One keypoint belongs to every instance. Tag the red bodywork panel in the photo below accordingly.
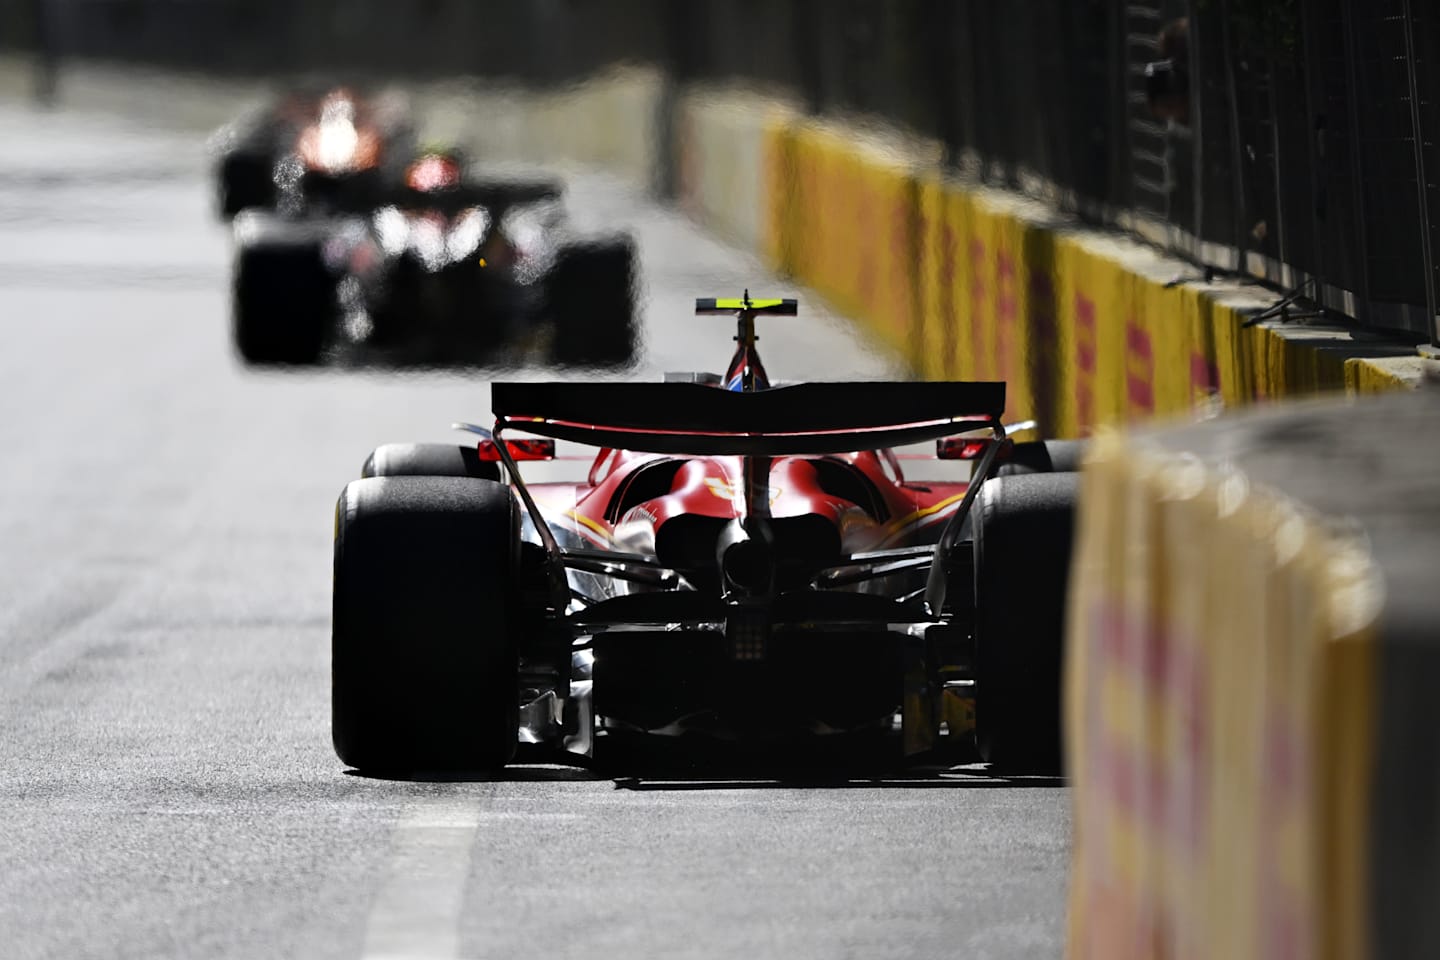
(629, 497)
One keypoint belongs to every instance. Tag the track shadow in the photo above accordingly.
(951, 778)
(645, 766)
(516, 773)
(863, 764)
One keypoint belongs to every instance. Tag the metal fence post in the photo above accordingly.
(1315, 153)
(1197, 122)
(1427, 253)
(1237, 149)
(1357, 174)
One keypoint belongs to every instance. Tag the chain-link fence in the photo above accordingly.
(1293, 140)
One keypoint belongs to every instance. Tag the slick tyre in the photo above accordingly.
(245, 180)
(284, 302)
(424, 661)
(1023, 539)
(590, 298)
(1044, 456)
(428, 460)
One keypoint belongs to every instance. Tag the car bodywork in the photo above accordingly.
(744, 560)
(317, 145)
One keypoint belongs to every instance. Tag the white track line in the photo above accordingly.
(416, 914)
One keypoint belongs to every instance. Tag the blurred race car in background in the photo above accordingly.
(741, 563)
(342, 245)
(316, 143)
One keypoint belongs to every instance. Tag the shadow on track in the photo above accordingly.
(643, 765)
(918, 779)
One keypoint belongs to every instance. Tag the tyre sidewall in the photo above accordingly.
(1023, 544)
(423, 646)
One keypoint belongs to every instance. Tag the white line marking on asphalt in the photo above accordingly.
(416, 915)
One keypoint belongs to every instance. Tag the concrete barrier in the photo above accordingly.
(609, 122)
(1378, 374)
(1254, 775)
(164, 99)
(1088, 327)
(844, 218)
(720, 145)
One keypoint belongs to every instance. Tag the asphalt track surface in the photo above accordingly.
(166, 778)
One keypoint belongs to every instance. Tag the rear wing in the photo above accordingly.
(728, 305)
(805, 418)
(496, 196)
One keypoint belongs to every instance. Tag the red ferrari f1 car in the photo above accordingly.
(741, 561)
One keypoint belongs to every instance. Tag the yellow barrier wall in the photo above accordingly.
(1218, 718)
(1087, 328)
(848, 226)
(609, 121)
(1222, 672)
(721, 142)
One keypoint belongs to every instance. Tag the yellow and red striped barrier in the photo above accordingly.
(1220, 717)
(1088, 328)
(844, 219)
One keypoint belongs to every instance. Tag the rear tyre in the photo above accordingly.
(590, 297)
(424, 661)
(1043, 456)
(1023, 539)
(284, 302)
(245, 180)
(428, 460)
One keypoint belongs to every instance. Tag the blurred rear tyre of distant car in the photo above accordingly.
(245, 180)
(428, 460)
(423, 656)
(590, 299)
(1024, 530)
(1044, 456)
(284, 302)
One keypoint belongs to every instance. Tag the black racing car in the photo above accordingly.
(341, 251)
(311, 144)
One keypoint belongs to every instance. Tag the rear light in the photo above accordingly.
(497, 251)
(959, 448)
(969, 448)
(527, 448)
